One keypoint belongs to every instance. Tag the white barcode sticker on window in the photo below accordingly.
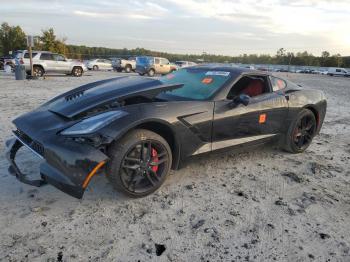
(217, 73)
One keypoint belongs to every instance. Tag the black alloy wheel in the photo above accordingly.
(139, 163)
(144, 166)
(304, 131)
(301, 132)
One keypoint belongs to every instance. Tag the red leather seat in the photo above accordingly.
(255, 88)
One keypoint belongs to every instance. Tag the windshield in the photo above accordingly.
(144, 60)
(198, 83)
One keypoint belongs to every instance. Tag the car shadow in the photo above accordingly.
(100, 190)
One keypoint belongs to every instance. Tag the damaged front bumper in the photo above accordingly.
(67, 165)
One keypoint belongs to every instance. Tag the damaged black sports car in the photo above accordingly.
(135, 129)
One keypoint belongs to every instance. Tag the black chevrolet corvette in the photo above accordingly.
(135, 129)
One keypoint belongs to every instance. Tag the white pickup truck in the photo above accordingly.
(128, 65)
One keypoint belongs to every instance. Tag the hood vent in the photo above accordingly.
(74, 96)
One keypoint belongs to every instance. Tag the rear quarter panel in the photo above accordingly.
(314, 100)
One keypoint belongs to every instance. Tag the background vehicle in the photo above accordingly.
(11, 59)
(99, 64)
(332, 71)
(183, 64)
(135, 129)
(47, 62)
(128, 65)
(153, 65)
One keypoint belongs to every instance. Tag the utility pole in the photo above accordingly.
(30, 44)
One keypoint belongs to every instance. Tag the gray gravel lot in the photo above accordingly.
(263, 205)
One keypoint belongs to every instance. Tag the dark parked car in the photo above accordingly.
(135, 129)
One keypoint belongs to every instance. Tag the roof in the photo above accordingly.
(226, 67)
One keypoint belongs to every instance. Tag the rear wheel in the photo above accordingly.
(140, 163)
(301, 132)
(128, 68)
(38, 71)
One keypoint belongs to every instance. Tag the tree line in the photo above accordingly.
(14, 38)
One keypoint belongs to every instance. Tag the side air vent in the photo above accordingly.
(74, 96)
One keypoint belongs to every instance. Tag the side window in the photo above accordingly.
(157, 61)
(26, 55)
(338, 70)
(252, 85)
(164, 61)
(277, 83)
(59, 57)
(46, 56)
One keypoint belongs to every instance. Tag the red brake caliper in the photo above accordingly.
(155, 159)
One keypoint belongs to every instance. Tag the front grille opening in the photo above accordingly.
(36, 146)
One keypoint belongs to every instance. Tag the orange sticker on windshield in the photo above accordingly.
(207, 80)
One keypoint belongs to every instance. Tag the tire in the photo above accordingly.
(119, 70)
(300, 134)
(77, 71)
(126, 168)
(95, 68)
(128, 68)
(141, 74)
(38, 71)
(151, 72)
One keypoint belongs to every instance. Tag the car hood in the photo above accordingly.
(90, 96)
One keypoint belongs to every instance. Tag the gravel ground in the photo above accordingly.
(263, 205)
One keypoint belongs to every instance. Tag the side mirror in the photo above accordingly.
(241, 99)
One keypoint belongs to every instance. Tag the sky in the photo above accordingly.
(226, 27)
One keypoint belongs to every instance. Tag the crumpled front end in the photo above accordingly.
(67, 165)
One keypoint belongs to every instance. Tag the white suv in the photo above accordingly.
(47, 62)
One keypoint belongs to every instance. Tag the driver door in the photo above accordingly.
(263, 118)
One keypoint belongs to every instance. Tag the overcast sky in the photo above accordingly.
(191, 26)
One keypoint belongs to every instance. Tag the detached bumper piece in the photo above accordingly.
(67, 165)
(13, 169)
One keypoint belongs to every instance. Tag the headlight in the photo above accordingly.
(91, 124)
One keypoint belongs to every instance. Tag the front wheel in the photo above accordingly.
(301, 132)
(77, 71)
(151, 72)
(139, 163)
(95, 68)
